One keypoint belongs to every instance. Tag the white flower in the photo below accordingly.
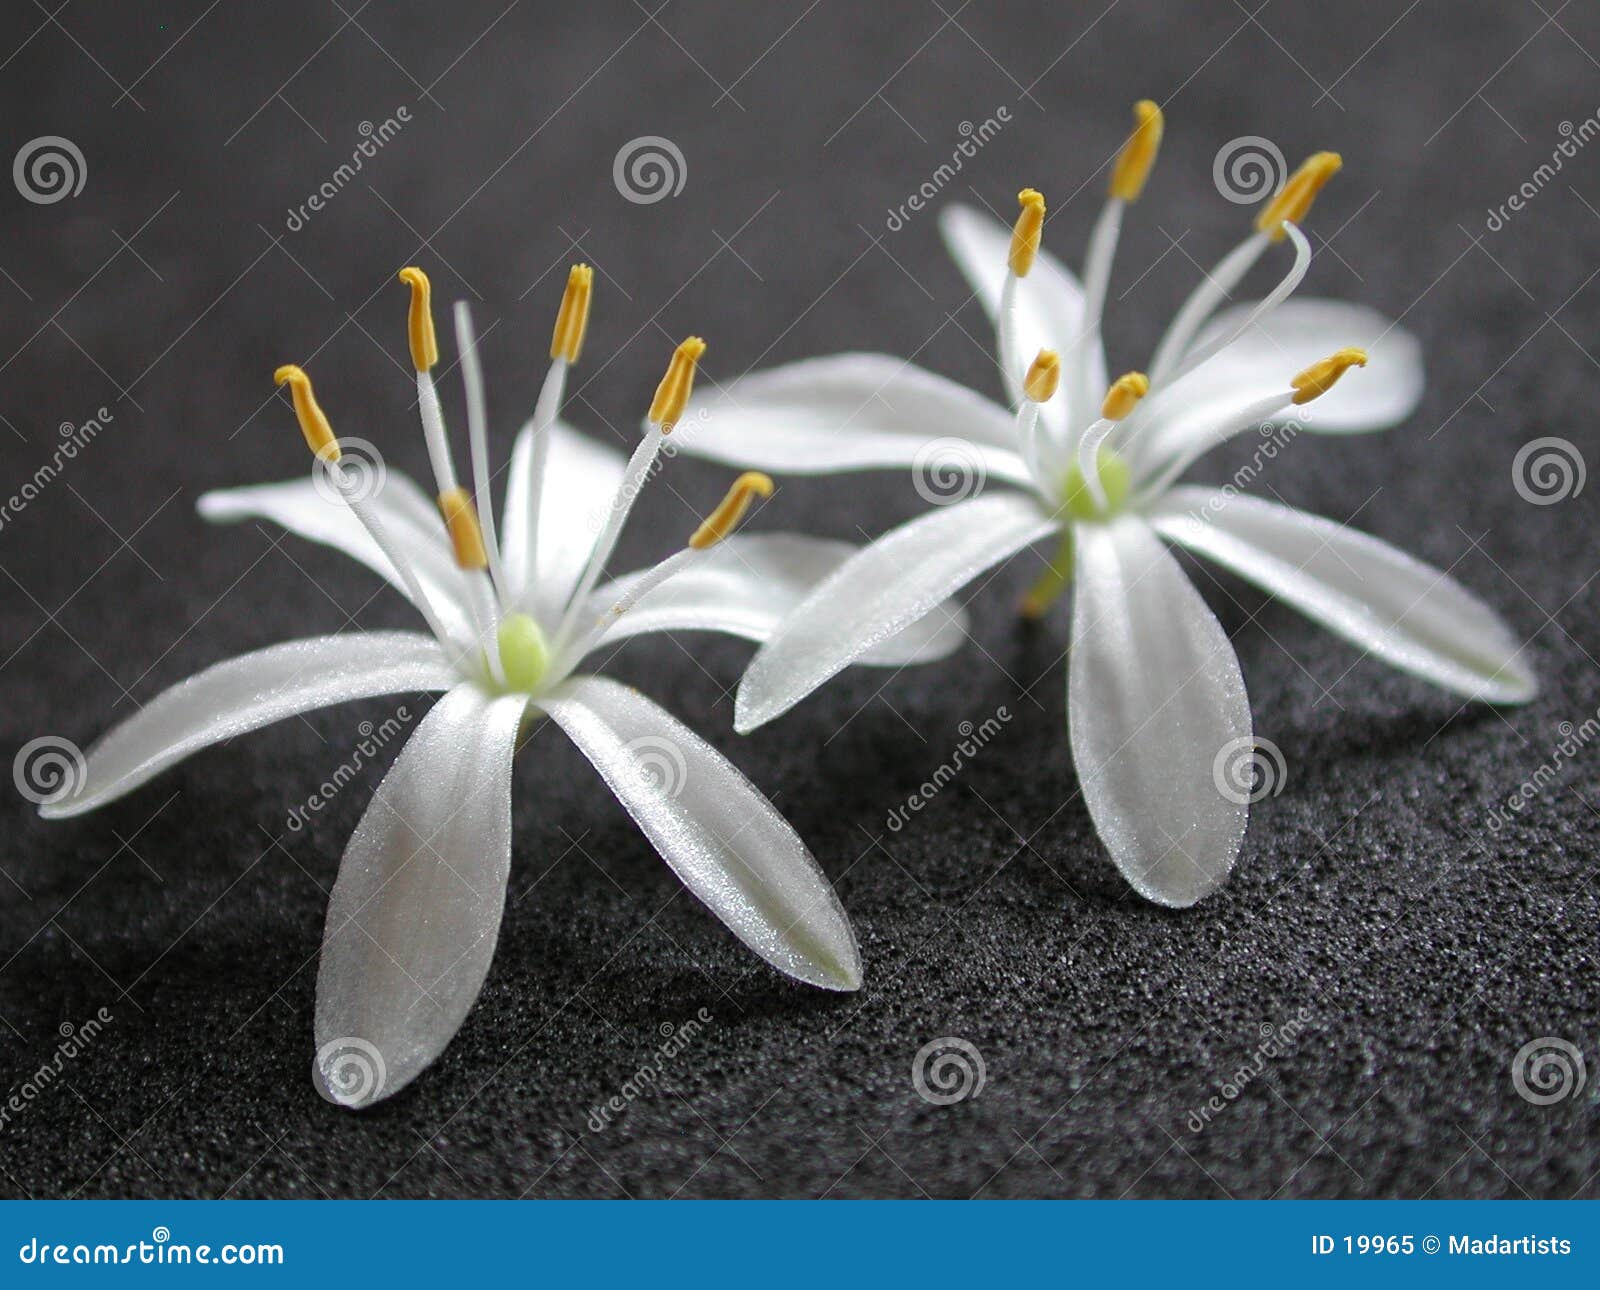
(417, 906)
(1154, 686)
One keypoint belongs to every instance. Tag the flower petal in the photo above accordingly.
(1154, 699)
(580, 484)
(1049, 301)
(745, 586)
(851, 412)
(881, 591)
(416, 910)
(1406, 612)
(247, 693)
(724, 839)
(1300, 332)
(402, 509)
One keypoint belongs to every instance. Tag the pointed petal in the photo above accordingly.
(1300, 332)
(1049, 300)
(747, 584)
(580, 483)
(415, 913)
(410, 518)
(879, 592)
(724, 839)
(249, 692)
(852, 412)
(1406, 612)
(1154, 697)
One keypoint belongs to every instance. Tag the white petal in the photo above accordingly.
(1049, 300)
(249, 692)
(1154, 698)
(1406, 612)
(580, 484)
(881, 591)
(721, 836)
(747, 584)
(851, 412)
(416, 910)
(1300, 332)
(402, 509)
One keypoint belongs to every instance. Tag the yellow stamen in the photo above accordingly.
(1138, 155)
(1044, 376)
(1293, 200)
(572, 322)
(1027, 231)
(672, 395)
(1124, 395)
(424, 344)
(731, 509)
(313, 421)
(1322, 376)
(461, 518)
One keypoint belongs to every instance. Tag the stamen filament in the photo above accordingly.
(424, 354)
(1258, 412)
(1120, 400)
(1216, 287)
(1097, 277)
(1039, 385)
(324, 447)
(478, 441)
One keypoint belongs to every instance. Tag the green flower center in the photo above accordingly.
(524, 652)
(1116, 478)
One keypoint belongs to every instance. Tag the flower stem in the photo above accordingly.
(1052, 582)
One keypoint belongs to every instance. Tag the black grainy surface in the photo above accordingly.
(1420, 948)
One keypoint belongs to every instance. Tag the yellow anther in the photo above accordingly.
(313, 421)
(1138, 154)
(672, 395)
(1322, 376)
(1044, 376)
(731, 509)
(1124, 395)
(1293, 200)
(1027, 231)
(424, 344)
(461, 518)
(573, 319)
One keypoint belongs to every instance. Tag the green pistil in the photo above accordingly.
(1078, 507)
(524, 653)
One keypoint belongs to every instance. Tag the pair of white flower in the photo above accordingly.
(1154, 692)
(417, 906)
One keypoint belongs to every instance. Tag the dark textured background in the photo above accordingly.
(1424, 949)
